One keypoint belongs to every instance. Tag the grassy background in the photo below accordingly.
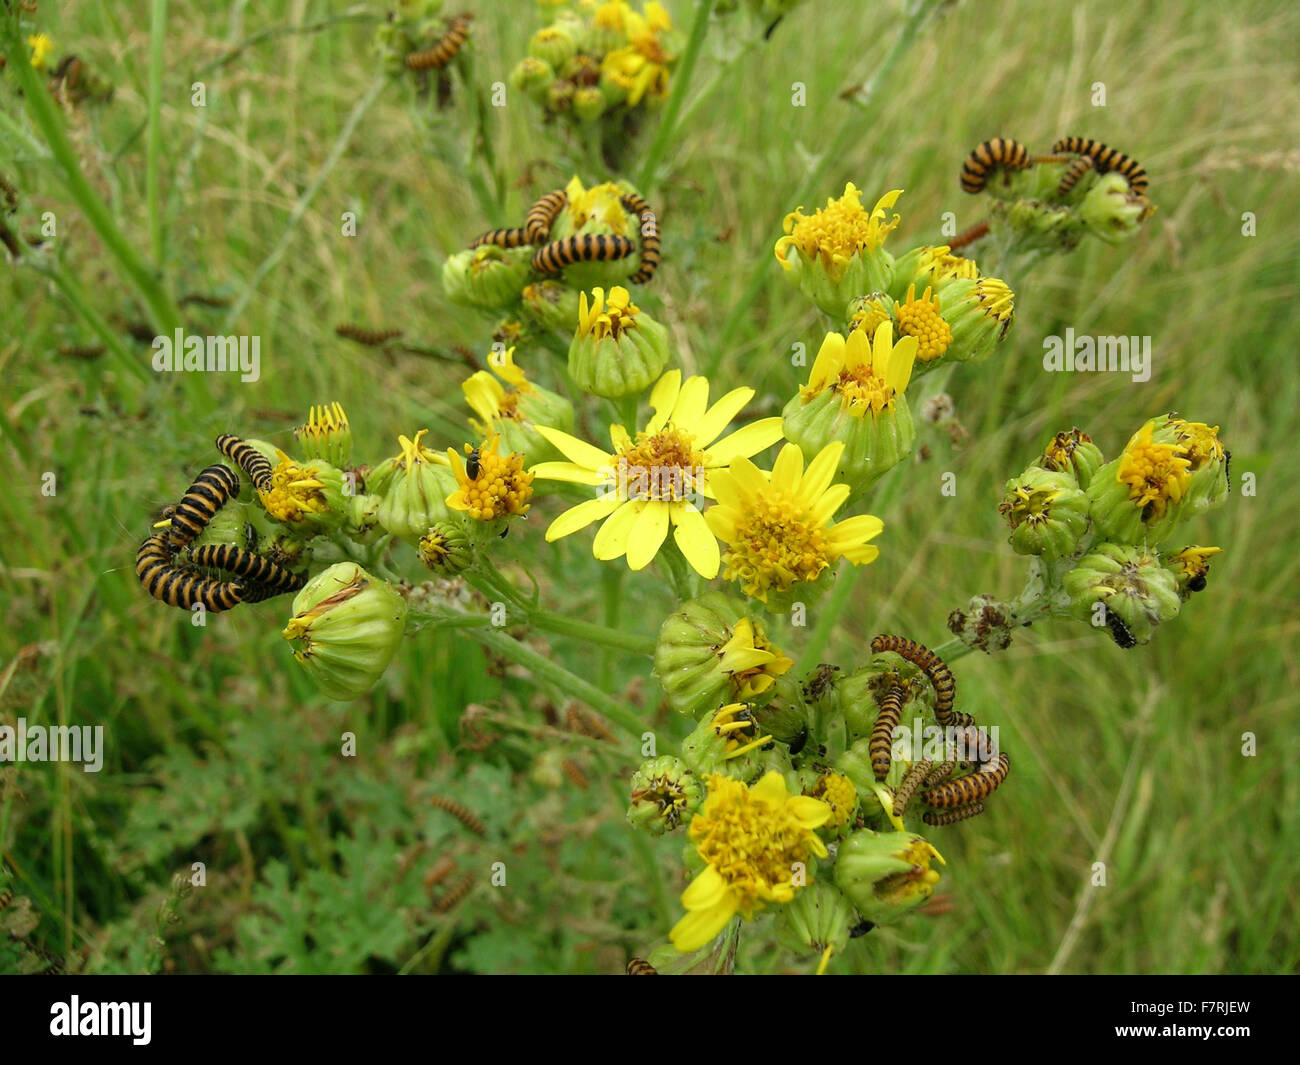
(219, 750)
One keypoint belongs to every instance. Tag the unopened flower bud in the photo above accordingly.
(1047, 512)
(837, 252)
(617, 350)
(487, 276)
(886, 874)
(446, 549)
(416, 490)
(345, 629)
(1136, 590)
(1072, 452)
(1111, 210)
(664, 793)
(817, 920)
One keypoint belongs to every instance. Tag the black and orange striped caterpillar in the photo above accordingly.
(212, 489)
(649, 238)
(968, 789)
(589, 247)
(444, 51)
(996, 154)
(371, 338)
(1079, 166)
(252, 568)
(881, 743)
(176, 585)
(912, 779)
(640, 967)
(454, 895)
(951, 817)
(248, 459)
(1107, 159)
(945, 687)
(461, 813)
(503, 238)
(542, 214)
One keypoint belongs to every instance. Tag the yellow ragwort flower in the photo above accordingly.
(1193, 562)
(996, 300)
(939, 262)
(751, 661)
(489, 398)
(1200, 441)
(41, 45)
(659, 478)
(500, 488)
(777, 526)
(834, 234)
(295, 491)
(1156, 474)
(867, 376)
(606, 316)
(750, 839)
(837, 792)
(736, 725)
(920, 318)
(601, 204)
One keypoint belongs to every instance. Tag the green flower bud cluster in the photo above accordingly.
(1096, 526)
(597, 68)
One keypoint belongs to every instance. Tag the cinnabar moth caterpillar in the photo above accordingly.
(999, 153)
(951, 817)
(371, 338)
(912, 780)
(1079, 166)
(248, 459)
(641, 967)
(1107, 159)
(542, 214)
(173, 584)
(250, 567)
(588, 248)
(502, 238)
(968, 789)
(444, 51)
(211, 490)
(882, 733)
(454, 895)
(463, 815)
(945, 688)
(649, 229)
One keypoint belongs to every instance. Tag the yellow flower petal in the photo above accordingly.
(710, 425)
(565, 471)
(746, 441)
(581, 516)
(579, 451)
(647, 536)
(611, 540)
(699, 927)
(694, 537)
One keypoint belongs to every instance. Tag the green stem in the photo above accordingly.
(354, 118)
(611, 588)
(153, 149)
(545, 671)
(494, 586)
(164, 314)
(603, 635)
(645, 855)
(681, 82)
